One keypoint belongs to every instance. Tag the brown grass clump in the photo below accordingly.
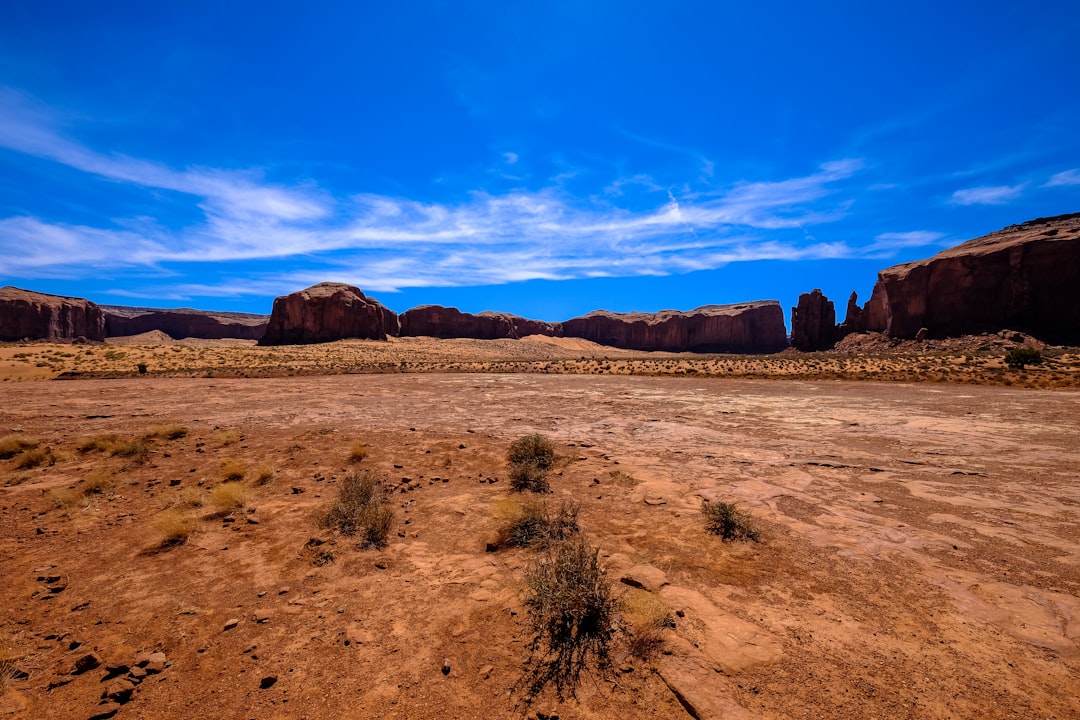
(134, 449)
(531, 459)
(190, 497)
(357, 452)
(571, 613)
(66, 498)
(232, 469)
(646, 617)
(361, 508)
(227, 437)
(9, 654)
(728, 521)
(166, 432)
(100, 443)
(97, 483)
(228, 496)
(12, 445)
(36, 457)
(528, 523)
(265, 473)
(176, 525)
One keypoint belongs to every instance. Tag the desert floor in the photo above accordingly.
(920, 553)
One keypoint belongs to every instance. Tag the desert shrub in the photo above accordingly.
(166, 432)
(646, 617)
(534, 523)
(536, 450)
(176, 525)
(529, 477)
(227, 437)
(66, 498)
(571, 614)
(101, 443)
(228, 496)
(357, 452)
(190, 497)
(36, 457)
(232, 469)
(98, 483)
(141, 367)
(12, 445)
(135, 449)
(265, 473)
(728, 521)
(1019, 357)
(361, 508)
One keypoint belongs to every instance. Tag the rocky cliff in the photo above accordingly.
(183, 323)
(755, 327)
(1025, 277)
(37, 316)
(443, 322)
(327, 312)
(813, 322)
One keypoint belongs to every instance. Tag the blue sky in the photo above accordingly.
(544, 158)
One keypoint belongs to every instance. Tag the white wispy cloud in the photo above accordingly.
(987, 195)
(1063, 179)
(891, 243)
(385, 243)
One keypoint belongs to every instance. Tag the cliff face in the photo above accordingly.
(443, 322)
(327, 312)
(756, 327)
(37, 316)
(813, 322)
(183, 323)
(1025, 277)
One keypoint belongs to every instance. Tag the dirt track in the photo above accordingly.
(921, 553)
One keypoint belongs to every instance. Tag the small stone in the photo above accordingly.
(136, 674)
(153, 668)
(86, 662)
(230, 624)
(104, 711)
(141, 659)
(446, 666)
(158, 657)
(118, 690)
(485, 672)
(283, 591)
(261, 616)
(267, 682)
(113, 669)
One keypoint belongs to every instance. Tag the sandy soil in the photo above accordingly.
(920, 554)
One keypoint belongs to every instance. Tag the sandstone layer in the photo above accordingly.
(37, 316)
(1024, 277)
(328, 312)
(447, 322)
(183, 323)
(754, 327)
(813, 322)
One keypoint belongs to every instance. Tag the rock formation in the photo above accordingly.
(183, 323)
(813, 322)
(443, 322)
(1025, 277)
(327, 312)
(37, 316)
(755, 327)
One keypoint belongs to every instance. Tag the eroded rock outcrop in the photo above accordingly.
(813, 322)
(328, 312)
(447, 322)
(754, 327)
(37, 316)
(1025, 277)
(183, 323)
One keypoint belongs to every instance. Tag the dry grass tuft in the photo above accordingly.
(227, 437)
(728, 521)
(176, 525)
(357, 452)
(66, 498)
(531, 459)
(97, 483)
(523, 524)
(36, 457)
(12, 445)
(228, 496)
(100, 443)
(265, 473)
(646, 617)
(134, 449)
(189, 497)
(361, 508)
(9, 654)
(166, 432)
(233, 469)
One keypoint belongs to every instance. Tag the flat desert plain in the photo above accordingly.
(919, 551)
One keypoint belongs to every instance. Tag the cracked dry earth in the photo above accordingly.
(920, 554)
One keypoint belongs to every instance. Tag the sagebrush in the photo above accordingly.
(536, 523)
(729, 521)
(531, 459)
(361, 508)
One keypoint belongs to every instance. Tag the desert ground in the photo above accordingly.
(919, 551)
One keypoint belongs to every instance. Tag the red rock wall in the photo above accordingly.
(443, 322)
(813, 322)
(179, 325)
(328, 312)
(37, 316)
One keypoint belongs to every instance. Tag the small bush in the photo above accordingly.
(357, 452)
(101, 443)
(361, 508)
(141, 368)
(166, 432)
(135, 449)
(36, 457)
(529, 477)
(728, 521)
(228, 496)
(533, 523)
(571, 613)
(175, 525)
(66, 498)
(536, 450)
(232, 469)
(12, 445)
(1019, 357)
(265, 473)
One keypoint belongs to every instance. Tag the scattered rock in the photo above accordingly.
(104, 711)
(485, 672)
(446, 666)
(644, 577)
(230, 624)
(85, 663)
(267, 682)
(118, 690)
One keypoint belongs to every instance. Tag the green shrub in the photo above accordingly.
(361, 508)
(1018, 357)
(571, 613)
(728, 521)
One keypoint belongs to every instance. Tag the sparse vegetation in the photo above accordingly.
(135, 449)
(66, 498)
(101, 443)
(265, 473)
(233, 469)
(166, 432)
(646, 617)
(97, 483)
(176, 525)
(228, 496)
(531, 459)
(571, 614)
(227, 437)
(357, 452)
(9, 653)
(361, 508)
(728, 521)
(1018, 358)
(12, 445)
(534, 523)
(36, 457)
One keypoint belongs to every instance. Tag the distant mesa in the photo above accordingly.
(447, 322)
(183, 323)
(328, 312)
(28, 315)
(813, 322)
(753, 327)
